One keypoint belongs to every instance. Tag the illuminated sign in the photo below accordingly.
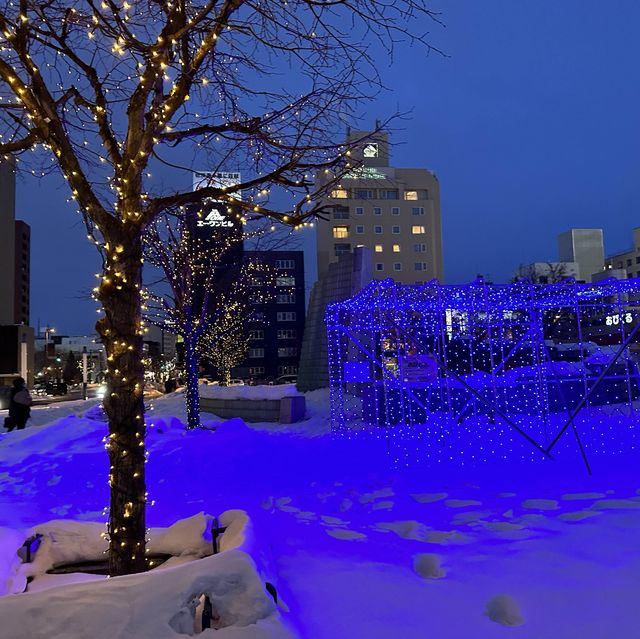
(618, 318)
(365, 173)
(215, 219)
(370, 150)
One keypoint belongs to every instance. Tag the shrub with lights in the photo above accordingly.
(480, 371)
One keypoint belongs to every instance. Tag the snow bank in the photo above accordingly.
(158, 604)
(10, 541)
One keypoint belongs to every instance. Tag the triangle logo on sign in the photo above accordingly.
(215, 219)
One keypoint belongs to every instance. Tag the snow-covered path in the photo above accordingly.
(348, 535)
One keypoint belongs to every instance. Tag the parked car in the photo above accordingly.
(236, 382)
(287, 379)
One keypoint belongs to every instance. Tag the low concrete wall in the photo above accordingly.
(286, 410)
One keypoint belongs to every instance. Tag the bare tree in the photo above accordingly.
(203, 293)
(549, 273)
(104, 91)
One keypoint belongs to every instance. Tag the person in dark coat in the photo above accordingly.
(19, 405)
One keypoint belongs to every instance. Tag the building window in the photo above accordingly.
(339, 194)
(377, 230)
(256, 334)
(378, 248)
(285, 281)
(417, 210)
(286, 316)
(359, 230)
(286, 333)
(256, 281)
(395, 230)
(256, 370)
(379, 266)
(396, 248)
(420, 266)
(340, 232)
(417, 229)
(341, 213)
(359, 210)
(411, 195)
(419, 248)
(257, 317)
(255, 353)
(282, 264)
(637, 260)
(628, 262)
(256, 299)
(363, 194)
(287, 351)
(286, 298)
(395, 210)
(339, 249)
(377, 210)
(288, 369)
(389, 194)
(397, 266)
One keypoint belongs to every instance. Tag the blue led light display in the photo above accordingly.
(480, 371)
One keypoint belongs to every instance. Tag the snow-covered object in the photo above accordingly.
(277, 391)
(505, 610)
(10, 581)
(154, 604)
(191, 536)
(427, 565)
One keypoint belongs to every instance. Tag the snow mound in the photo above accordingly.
(505, 610)
(427, 565)
(156, 604)
(10, 541)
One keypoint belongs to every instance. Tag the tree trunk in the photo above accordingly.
(191, 374)
(121, 332)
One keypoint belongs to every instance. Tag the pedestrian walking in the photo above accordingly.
(19, 405)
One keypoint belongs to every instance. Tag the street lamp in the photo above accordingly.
(47, 331)
(84, 372)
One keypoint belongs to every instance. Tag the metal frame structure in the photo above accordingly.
(476, 371)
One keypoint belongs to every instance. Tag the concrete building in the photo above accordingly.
(394, 212)
(343, 279)
(585, 247)
(629, 261)
(548, 272)
(7, 241)
(22, 279)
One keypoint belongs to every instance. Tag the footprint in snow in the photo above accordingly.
(348, 535)
(461, 503)
(613, 504)
(382, 505)
(579, 515)
(367, 498)
(427, 498)
(581, 496)
(427, 565)
(540, 504)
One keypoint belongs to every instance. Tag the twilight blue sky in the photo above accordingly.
(532, 125)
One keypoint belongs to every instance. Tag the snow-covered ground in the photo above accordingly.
(536, 550)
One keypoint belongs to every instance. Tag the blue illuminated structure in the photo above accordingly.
(479, 371)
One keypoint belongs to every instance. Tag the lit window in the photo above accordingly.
(395, 230)
(285, 281)
(377, 230)
(417, 229)
(340, 232)
(379, 266)
(417, 210)
(411, 195)
(397, 266)
(377, 210)
(396, 248)
(359, 230)
(339, 194)
(395, 210)
(378, 248)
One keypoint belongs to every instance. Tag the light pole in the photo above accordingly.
(84, 372)
(47, 331)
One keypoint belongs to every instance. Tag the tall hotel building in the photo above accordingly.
(394, 212)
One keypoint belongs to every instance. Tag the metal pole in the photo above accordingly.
(84, 372)
(23, 358)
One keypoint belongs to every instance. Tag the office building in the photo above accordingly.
(394, 212)
(7, 241)
(629, 261)
(584, 247)
(22, 257)
(276, 325)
